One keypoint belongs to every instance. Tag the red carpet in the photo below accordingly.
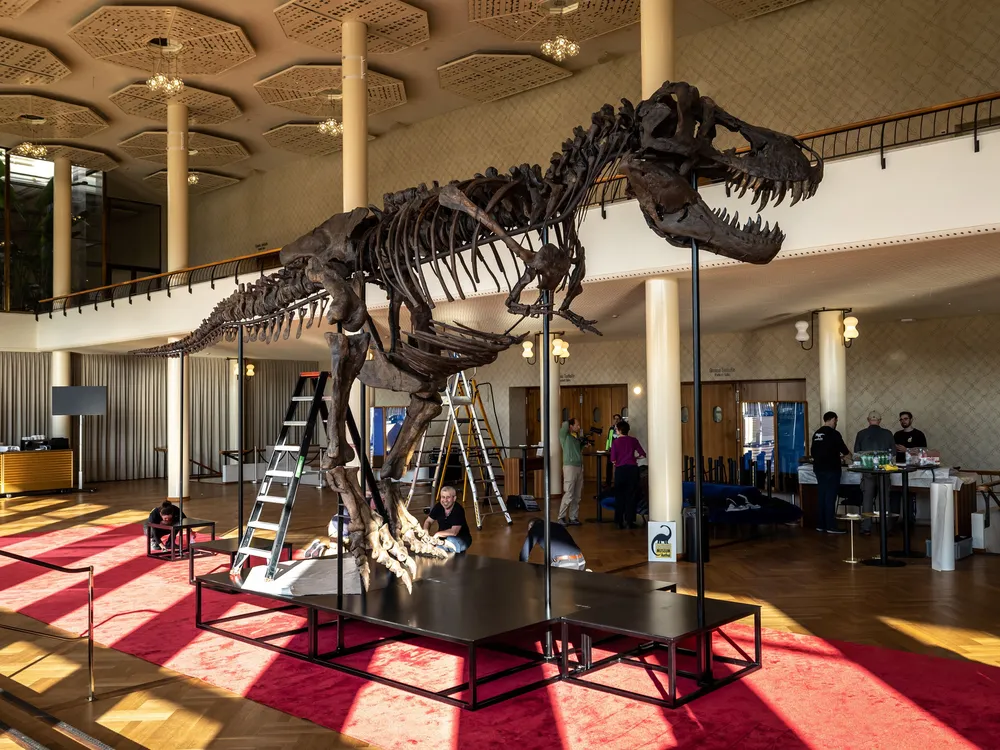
(810, 694)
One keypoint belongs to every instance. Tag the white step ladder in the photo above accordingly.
(481, 458)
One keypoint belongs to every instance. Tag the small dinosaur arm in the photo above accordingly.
(443, 240)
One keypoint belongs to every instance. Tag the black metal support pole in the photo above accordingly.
(703, 663)
(180, 442)
(240, 429)
(546, 452)
(340, 531)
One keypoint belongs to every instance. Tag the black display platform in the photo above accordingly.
(469, 600)
(660, 621)
(228, 546)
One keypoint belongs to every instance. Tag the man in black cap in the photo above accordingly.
(827, 451)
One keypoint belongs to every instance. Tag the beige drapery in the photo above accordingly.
(24, 395)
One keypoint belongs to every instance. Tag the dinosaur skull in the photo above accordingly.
(676, 128)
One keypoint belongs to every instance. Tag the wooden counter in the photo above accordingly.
(31, 471)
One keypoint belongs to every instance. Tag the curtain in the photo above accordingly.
(267, 396)
(25, 395)
(208, 396)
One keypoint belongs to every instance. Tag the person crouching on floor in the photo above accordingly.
(451, 524)
(565, 552)
(165, 513)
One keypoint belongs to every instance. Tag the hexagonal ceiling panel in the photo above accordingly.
(392, 25)
(14, 8)
(534, 21)
(124, 34)
(34, 116)
(315, 90)
(487, 78)
(743, 9)
(204, 107)
(207, 181)
(304, 138)
(81, 157)
(204, 150)
(26, 64)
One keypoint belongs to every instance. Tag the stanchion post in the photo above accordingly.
(90, 632)
(240, 427)
(180, 451)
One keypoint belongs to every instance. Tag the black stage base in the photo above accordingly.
(470, 601)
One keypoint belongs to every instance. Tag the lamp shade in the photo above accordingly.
(527, 350)
(802, 331)
(850, 328)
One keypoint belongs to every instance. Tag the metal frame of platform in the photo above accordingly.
(473, 580)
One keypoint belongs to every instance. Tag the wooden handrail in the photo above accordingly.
(162, 275)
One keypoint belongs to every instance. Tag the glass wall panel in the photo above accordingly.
(30, 217)
(88, 229)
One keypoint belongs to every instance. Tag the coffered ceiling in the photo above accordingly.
(246, 63)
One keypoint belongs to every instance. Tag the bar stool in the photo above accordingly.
(851, 518)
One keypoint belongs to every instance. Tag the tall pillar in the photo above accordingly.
(177, 258)
(175, 476)
(657, 44)
(832, 363)
(62, 230)
(555, 415)
(177, 186)
(663, 401)
(355, 113)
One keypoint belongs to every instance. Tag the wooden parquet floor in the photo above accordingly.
(796, 575)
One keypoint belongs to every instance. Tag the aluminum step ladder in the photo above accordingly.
(463, 426)
(286, 466)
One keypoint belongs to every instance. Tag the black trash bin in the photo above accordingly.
(690, 538)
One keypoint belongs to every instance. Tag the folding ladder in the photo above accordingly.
(287, 462)
(463, 425)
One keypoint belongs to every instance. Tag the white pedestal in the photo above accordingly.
(942, 527)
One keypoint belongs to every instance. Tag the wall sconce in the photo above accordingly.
(802, 327)
(251, 370)
(637, 390)
(560, 351)
(528, 352)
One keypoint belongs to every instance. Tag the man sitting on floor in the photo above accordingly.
(565, 553)
(168, 513)
(450, 518)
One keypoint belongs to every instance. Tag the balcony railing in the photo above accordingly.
(972, 115)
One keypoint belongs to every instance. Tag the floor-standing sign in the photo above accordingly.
(662, 541)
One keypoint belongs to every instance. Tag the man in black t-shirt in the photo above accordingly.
(908, 437)
(450, 519)
(827, 451)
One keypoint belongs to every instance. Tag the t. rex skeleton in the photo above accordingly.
(443, 230)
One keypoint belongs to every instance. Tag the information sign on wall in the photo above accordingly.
(662, 544)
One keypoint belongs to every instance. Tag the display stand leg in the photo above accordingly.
(79, 455)
(546, 457)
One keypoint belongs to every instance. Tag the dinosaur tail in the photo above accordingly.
(266, 308)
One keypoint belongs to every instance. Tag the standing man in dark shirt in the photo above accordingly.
(827, 451)
(565, 553)
(873, 438)
(908, 437)
(450, 518)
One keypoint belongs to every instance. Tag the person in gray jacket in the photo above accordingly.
(873, 438)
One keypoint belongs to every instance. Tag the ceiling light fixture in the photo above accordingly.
(192, 179)
(560, 48)
(31, 150)
(331, 127)
(166, 79)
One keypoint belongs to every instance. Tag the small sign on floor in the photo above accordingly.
(662, 544)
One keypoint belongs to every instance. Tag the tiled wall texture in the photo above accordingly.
(944, 371)
(815, 65)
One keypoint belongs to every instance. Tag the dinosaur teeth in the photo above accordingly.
(796, 192)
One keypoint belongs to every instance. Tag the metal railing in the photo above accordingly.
(879, 134)
(245, 266)
(949, 120)
(89, 570)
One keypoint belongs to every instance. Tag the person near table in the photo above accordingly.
(907, 437)
(572, 458)
(828, 451)
(565, 552)
(873, 438)
(167, 513)
(624, 451)
(609, 468)
(451, 524)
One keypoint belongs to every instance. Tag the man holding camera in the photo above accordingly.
(572, 455)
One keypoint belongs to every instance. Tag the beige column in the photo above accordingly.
(663, 401)
(555, 416)
(177, 258)
(62, 264)
(174, 440)
(177, 186)
(832, 364)
(355, 113)
(657, 44)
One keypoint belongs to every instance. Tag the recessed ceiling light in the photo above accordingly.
(906, 320)
(192, 152)
(614, 316)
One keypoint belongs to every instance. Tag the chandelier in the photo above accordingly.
(560, 48)
(192, 179)
(331, 127)
(31, 150)
(166, 78)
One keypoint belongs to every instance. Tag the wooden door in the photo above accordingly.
(720, 419)
(533, 416)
